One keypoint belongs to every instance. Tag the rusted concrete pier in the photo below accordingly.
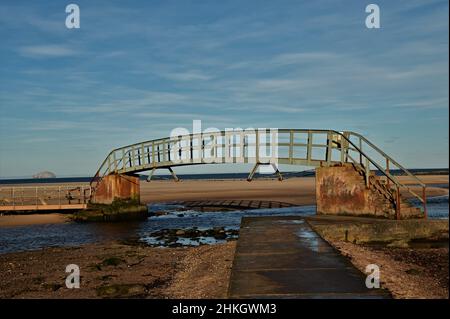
(344, 190)
(117, 186)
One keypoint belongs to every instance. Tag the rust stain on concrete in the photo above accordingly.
(117, 186)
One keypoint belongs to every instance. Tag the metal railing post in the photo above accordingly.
(309, 147)
(360, 150)
(164, 151)
(109, 163)
(388, 183)
(291, 147)
(153, 154)
(329, 147)
(241, 146)
(115, 162)
(367, 169)
(346, 145)
(424, 196)
(257, 146)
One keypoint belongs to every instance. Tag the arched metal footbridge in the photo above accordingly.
(261, 147)
(306, 147)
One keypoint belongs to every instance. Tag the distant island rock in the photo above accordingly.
(44, 174)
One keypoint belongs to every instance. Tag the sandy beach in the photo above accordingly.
(297, 191)
(33, 219)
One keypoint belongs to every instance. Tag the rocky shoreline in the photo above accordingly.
(191, 237)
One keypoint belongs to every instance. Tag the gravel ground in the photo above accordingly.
(113, 270)
(405, 272)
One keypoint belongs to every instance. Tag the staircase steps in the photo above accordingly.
(388, 193)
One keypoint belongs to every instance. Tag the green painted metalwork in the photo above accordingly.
(305, 147)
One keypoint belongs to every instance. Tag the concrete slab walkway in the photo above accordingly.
(282, 257)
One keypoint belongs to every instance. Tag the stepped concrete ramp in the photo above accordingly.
(282, 257)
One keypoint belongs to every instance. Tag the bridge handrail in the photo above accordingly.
(419, 182)
(357, 148)
(97, 174)
(14, 195)
(386, 172)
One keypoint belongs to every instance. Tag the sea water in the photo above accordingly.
(13, 239)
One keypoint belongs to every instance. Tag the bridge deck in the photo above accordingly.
(42, 207)
(282, 257)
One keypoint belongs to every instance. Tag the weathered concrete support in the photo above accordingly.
(117, 186)
(341, 190)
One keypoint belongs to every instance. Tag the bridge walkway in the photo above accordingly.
(282, 257)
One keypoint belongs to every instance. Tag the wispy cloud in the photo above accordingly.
(48, 51)
(188, 76)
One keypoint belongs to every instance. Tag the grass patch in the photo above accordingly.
(413, 271)
(118, 204)
(112, 261)
(38, 280)
(118, 210)
(124, 290)
(52, 286)
(106, 277)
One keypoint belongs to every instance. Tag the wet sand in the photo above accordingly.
(34, 219)
(295, 191)
(298, 191)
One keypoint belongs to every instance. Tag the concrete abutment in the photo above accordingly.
(118, 186)
(342, 190)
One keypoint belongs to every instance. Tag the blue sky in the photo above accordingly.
(137, 69)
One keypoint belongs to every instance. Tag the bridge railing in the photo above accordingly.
(44, 197)
(308, 147)
(369, 154)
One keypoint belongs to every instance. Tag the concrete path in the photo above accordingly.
(282, 257)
